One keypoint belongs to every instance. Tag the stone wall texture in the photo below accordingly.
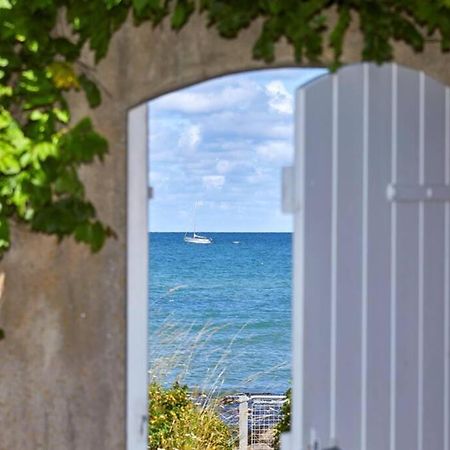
(62, 364)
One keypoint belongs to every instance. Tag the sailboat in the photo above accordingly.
(196, 238)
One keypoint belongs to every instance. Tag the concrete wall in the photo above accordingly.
(62, 365)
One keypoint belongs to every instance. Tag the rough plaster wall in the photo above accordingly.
(62, 365)
(63, 311)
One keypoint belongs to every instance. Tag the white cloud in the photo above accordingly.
(279, 151)
(256, 177)
(223, 166)
(213, 181)
(254, 123)
(158, 177)
(203, 99)
(280, 100)
(281, 131)
(190, 138)
(222, 142)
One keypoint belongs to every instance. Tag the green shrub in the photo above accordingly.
(285, 423)
(176, 423)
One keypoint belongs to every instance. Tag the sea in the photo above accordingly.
(220, 314)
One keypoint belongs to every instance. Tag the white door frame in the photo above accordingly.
(137, 278)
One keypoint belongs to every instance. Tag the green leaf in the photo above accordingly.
(92, 92)
(98, 236)
(183, 9)
(63, 75)
(42, 151)
(139, 5)
(94, 234)
(4, 234)
(338, 34)
(5, 91)
(63, 46)
(68, 182)
(5, 119)
(62, 115)
(111, 3)
(9, 164)
(62, 217)
(264, 47)
(82, 144)
(37, 100)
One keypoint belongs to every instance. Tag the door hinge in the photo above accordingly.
(143, 426)
(418, 193)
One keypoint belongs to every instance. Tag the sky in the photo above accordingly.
(221, 144)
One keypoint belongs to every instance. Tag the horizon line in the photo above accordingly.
(204, 231)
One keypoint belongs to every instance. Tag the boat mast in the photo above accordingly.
(195, 211)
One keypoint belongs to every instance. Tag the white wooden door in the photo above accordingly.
(372, 261)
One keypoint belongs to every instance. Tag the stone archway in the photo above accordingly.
(62, 376)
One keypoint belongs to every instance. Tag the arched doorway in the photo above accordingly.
(349, 191)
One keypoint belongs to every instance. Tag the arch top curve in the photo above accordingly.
(202, 79)
(152, 62)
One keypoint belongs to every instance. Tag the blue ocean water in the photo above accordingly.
(220, 313)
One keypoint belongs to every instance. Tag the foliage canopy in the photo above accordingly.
(41, 151)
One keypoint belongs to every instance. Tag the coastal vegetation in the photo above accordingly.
(179, 414)
(176, 422)
(285, 423)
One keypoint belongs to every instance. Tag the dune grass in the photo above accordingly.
(177, 423)
(176, 420)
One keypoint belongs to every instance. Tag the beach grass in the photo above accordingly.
(177, 423)
(179, 416)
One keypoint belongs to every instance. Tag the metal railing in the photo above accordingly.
(253, 416)
(258, 416)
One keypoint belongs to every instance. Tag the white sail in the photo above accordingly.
(196, 238)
